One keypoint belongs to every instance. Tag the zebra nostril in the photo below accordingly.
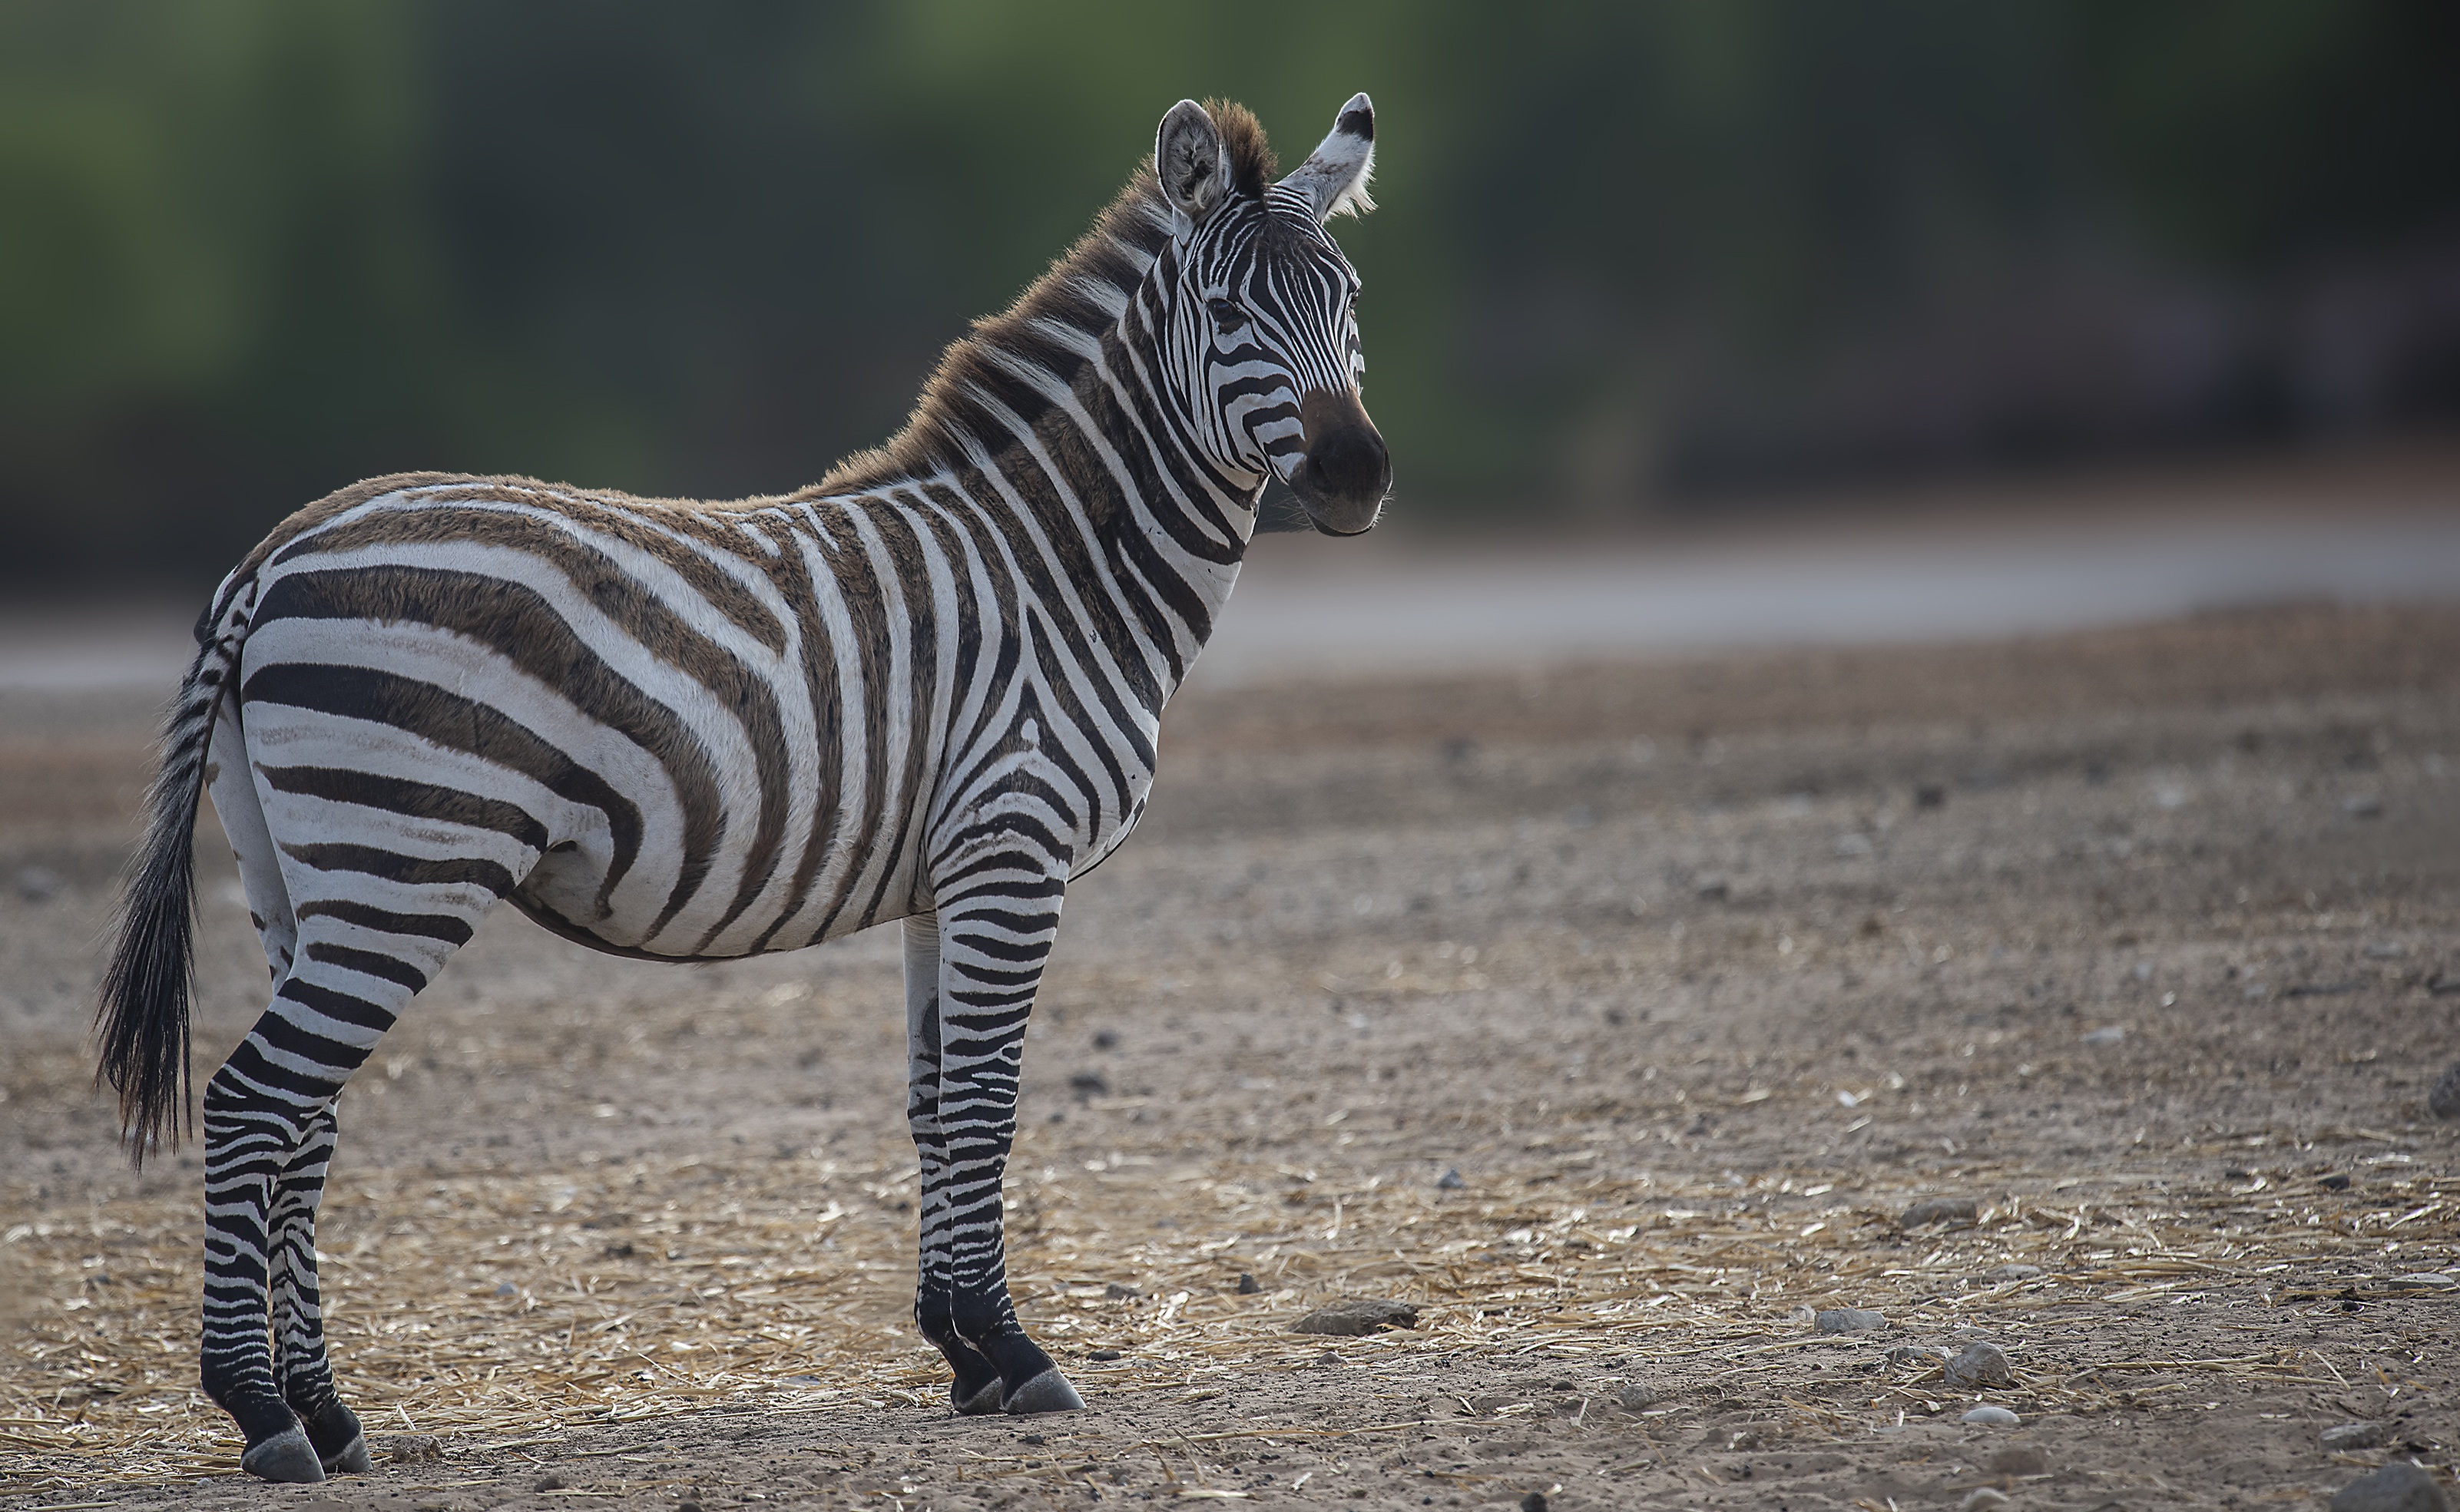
(1351, 464)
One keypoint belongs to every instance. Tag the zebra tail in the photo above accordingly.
(143, 1021)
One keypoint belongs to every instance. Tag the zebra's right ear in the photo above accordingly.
(1190, 161)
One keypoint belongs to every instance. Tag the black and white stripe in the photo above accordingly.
(926, 689)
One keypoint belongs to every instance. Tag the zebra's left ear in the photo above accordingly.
(1334, 177)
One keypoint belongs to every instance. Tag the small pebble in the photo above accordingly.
(1451, 1180)
(1247, 1286)
(2336, 1182)
(1101, 1354)
(2399, 1486)
(38, 884)
(1121, 1291)
(1088, 1084)
(1978, 1365)
(2012, 1272)
(1105, 1040)
(2105, 1036)
(1847, 1320)
(2353, 1436)
(550, 1482)
(1940, 1209)
(1991, 1417)
(2423, 1281)
(1637, 1394)
(507, 1288)
(2019, 1460)
(2363, 805)
(2444, 1102)
(2383, 950)
(1983, 1499)
(418, 1449)
(1357, 1316)
(1533, 1502)
(1916, 1355)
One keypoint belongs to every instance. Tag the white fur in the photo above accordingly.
(1334, 177)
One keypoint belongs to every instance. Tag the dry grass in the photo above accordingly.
(494, 1308)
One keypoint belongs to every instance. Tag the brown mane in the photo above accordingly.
(1125, 238)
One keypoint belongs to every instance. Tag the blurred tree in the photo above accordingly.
(253, 249)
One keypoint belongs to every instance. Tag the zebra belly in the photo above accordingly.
(643, 809)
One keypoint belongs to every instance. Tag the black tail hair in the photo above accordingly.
(142, 1021)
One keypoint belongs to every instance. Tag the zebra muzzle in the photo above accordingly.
(1347, 468)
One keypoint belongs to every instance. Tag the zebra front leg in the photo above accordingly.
(299, 1360)
(994, 941)
(977, 1388)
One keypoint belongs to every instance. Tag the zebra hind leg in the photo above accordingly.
(299, 1358)
(977, 1388)
(269, 1127)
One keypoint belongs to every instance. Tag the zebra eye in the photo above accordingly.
(1227, 316)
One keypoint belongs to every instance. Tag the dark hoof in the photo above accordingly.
(334, 1431)
(1047, 1393)
(986, 1399)
(287, 1458)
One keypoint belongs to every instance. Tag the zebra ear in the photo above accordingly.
(1334, 177)
(1190, 161)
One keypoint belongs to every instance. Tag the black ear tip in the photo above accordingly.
(1357, 119)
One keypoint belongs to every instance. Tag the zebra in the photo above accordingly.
(925, 690)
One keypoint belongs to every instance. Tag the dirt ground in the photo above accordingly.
(1612, 1017)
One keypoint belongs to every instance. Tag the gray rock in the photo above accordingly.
(1940, 1209)
(2444, 1102)
(2353, 1435)
(2018, 1459)
(38, 884)
(1637, 1394)
(1247, 1286)
(1978, 1364)
(1916, 1355)
(2108, 1034)
(1357, 1316)
(1847, 1320)
(1121, 1291)
(2363, 805)
(2423, 1281)
(418, 1449)
(1991, 1417)
(1450, 1181)
(2399, 1486)
(1983, 1499)
(2012, 1272)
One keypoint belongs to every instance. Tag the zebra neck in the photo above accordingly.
(1126, 509)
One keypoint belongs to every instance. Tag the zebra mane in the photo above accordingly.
(1059, 318)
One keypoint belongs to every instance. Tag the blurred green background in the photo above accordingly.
(1632, 259)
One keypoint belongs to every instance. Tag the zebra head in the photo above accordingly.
(1259, 309)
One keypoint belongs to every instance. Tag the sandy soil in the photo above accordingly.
(1612, 1015)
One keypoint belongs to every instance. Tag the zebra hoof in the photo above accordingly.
(340, 1445)
(351, 1459)
(1047, 1393)
(986, 1399)
(287, 1458)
